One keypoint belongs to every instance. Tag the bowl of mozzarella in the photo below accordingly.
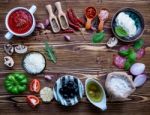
(127, 24)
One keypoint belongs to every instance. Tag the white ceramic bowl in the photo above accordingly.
(10, 33)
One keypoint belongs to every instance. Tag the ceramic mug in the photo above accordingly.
(10, 33)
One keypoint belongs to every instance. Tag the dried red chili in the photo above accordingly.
(74, 26)
(72, 17)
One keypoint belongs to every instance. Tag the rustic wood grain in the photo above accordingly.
(79, 57)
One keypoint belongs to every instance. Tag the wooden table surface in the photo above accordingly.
(79, 57)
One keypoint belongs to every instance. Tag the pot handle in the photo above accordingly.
(32, 9)
(8, 35)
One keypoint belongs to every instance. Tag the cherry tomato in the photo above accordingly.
(33, 101)
(35, 86)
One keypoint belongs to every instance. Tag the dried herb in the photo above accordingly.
(138, 44)
(50, 52)
(98, 37)
(120, 31)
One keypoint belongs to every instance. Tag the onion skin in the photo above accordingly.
(140, 80)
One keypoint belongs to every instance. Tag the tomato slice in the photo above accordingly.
(33, 101)
(35, 86)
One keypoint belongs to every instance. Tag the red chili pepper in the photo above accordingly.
(81, 21)
(74, 26)
(72, 17)
(33, 101)
(35, 86)
(68, 31)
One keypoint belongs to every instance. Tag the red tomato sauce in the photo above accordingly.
(90, 12)
(20, 21)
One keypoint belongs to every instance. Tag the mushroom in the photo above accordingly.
(20, 49)
(9, 49)
(112, 42)
(8, 61)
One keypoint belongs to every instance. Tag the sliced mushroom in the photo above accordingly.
(9, 49)
(20, 49)
(112, 42)
(8, 61)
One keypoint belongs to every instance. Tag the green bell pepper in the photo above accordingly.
(16, 83)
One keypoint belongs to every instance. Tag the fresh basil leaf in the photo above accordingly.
(138, 44)
(98, 37)
(127, 65)
(120, 31)
(124, 52)
(132, 56)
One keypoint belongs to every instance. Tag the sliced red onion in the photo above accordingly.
(119, 61)
(126, 47)
(140, 53)
(140, 80)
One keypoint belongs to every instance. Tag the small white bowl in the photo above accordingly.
(102, 103)
(10, 33)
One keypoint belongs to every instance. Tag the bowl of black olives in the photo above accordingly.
(68, 90)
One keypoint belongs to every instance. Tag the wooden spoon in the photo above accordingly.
(62, 17)
(103, 16)
(90, 14)
(53, 19)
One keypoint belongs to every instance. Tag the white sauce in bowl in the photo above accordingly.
(127, 23)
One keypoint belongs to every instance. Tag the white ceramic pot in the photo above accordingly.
(10, 33)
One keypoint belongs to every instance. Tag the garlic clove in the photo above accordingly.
(112, 42)
(140, 80)
(21, 49)
(8, 61)
(9, 49)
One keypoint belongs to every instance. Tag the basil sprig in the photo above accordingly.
(120, 31)
(98, 37)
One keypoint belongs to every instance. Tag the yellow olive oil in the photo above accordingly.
(94, 91)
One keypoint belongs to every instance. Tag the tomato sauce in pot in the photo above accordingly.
(20, 21)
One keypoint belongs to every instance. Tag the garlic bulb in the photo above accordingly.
(46, 94)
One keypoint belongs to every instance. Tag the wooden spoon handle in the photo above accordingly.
(88, 23)
(59, 8)
(101, 25)
(50, 11)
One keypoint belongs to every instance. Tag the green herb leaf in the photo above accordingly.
(50, 52)
(138, 44)
(120, 31)
(127, 65)
(124, 52)
(98, 37)
(132, 56)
